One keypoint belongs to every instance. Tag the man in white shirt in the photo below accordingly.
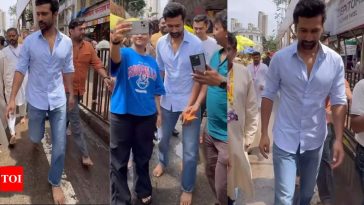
(258, 71)
(200, 26)
(357, 122)
(10, 59)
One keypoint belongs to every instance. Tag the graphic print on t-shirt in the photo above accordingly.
(144, 73)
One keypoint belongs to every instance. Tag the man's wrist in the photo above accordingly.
(223, 82)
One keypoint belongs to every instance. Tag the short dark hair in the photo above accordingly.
(231, 38)
(12, 29)
(2, 40)
(74, 23)
(309, 9)
(221, 17)
(200, 18)
(174, 9)
(256, 53)
(54, 4)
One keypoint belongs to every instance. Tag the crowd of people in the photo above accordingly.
(153, 84)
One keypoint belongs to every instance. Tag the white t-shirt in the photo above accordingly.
(258, 74)
(357, 107)
(210, 47)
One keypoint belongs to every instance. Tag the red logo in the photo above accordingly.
(11, 179)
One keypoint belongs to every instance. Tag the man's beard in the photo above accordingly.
(44, 26)
(13, 42)
(308, 45)
(175, 34)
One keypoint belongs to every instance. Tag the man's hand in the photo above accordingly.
(189, 111)
(159, 120)
(71, 102)
(338, 154)
(209, 77)
(109, 83)
(264, 145)
(10, 109)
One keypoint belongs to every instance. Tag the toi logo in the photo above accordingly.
(11, 179)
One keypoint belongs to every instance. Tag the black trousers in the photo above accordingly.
(130, 132)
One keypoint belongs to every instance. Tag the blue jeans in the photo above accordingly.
(285, 168)
(73, 116)
(190, 141)
(57, 119)
(325, 179)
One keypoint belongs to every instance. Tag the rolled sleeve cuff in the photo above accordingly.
(268, 94)
(339, 101)
(21, 70)
(70, 69)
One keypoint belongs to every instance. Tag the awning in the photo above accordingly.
(288, 19)
(20, 7)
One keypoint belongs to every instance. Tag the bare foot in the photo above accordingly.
(186, 198)
(158, 170)
(58, 195)
(130, 164)
(12, 140)
(68, 132)
(87, 161)
(22, 121)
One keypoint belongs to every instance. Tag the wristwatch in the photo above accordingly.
(223, 83)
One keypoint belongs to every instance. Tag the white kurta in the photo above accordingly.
(241, 131)
(11, 56)
(3, 138)
(258, 74)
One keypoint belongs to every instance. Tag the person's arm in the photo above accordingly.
(338, 102)
(2, 77)
(116, 38)
(68, 71)
(272, 83)
(251, 113)
(159, 59)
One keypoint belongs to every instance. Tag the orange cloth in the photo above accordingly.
(154, 39)
(84, 56)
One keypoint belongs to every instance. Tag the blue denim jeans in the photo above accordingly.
(325, 179)
(190, 141)
(57, 119)
(73, 116)
(285, 169)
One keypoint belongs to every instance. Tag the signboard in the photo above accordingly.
(351, 46)
(349, 15)
(97, 12)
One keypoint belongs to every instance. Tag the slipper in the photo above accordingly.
(147, 200)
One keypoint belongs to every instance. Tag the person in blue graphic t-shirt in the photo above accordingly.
(134, 114)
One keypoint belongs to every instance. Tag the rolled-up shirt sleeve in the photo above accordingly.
(272, 79)
(69, 67)
(24, 59)
(159, 57)
(337, 91)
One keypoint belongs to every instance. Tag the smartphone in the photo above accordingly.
(198, 62)
(139, 27)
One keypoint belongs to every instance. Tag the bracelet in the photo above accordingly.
(116, 42)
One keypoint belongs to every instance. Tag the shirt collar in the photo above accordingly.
(186, 37)
(322, 49)
(58, 37)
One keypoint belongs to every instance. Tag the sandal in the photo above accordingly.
(147, 200)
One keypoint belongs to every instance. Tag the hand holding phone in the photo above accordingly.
(198, 62)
